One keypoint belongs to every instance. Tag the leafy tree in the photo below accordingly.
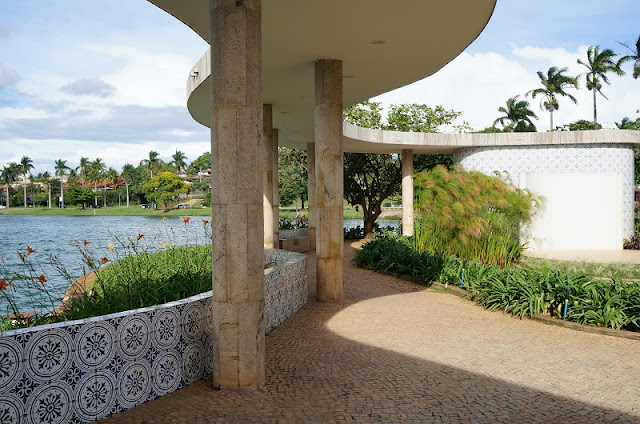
(61, 170)
(598, 64)
(420, 118)
(490, 130)
(369, 179)
(95, 173)
(112, 177)
(553, 85)
(8, 176)
(26, 164)
(165, 186)
(79, 195)
(202, 162)
(634, 56)
(128, 173)
(292, 175)
(517, 116)
(580, 125)
(152, 162)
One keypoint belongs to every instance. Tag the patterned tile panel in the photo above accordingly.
(86, 370)
(582, 158)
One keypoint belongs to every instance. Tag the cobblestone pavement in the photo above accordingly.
(395, 352)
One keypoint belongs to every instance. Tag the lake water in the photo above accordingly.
(63, 235)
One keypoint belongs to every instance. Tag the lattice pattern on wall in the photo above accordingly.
(582, 158)
(85, 370)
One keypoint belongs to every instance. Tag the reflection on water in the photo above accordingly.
(63, 235)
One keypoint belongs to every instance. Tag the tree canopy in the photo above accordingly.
(164, 187)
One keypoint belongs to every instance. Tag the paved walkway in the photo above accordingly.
(395, 352)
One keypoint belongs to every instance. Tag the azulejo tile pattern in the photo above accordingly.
(575, 159)
(86, 370)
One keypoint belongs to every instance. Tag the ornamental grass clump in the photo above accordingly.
(471, 215)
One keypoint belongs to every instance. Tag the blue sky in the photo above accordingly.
(106, 78)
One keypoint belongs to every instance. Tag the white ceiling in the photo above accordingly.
(420, 37)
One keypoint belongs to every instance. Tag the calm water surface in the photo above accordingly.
(63, 235)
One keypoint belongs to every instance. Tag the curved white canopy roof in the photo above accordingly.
(384, 44)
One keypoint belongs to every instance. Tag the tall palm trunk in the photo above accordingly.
(105, 196)
(49, 191)
(24, 185)
(551, 120)
(7, 194)
(595, 111)
(95, 193)
(127, 186)
(61, 195)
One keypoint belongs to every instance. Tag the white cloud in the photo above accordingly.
(477, 84)
(7, 76)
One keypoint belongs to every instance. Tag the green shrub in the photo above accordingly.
(471, 215)
(519, 291)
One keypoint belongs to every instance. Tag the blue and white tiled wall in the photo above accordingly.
(82, 371)
(574, 159)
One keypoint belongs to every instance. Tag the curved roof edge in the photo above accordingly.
(364, 140)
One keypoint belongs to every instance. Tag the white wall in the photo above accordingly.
(582, 211)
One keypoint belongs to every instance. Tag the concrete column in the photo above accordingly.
(311, 193)
(236, 201)
(329, 180)
(407, 192)
(267, 183)
(275, 202)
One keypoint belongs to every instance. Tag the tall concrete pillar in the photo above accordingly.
(275, 196)
(236, 201)
(407, 192)
(311, 193)
(329, 180)
(267, 172)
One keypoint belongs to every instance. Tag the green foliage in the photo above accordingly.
(357, 232)
(164, 187)
(292, 175)
(633, 57)
(490, 130)
(518, 291)
(366, 115)
(599, 63)
(580, 125)
(420, 118)
(517, 116)
(470, 215)
(201, 163)
(553, 85)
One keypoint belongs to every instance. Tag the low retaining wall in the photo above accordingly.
(85, 370)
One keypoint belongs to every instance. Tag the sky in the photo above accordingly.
(106, 78)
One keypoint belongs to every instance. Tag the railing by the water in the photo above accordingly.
(85, 370)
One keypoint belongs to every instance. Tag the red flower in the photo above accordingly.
(42, 279)
(205, 222)
(186, 219)
(30, 250)
(104, 260)
(3, 285)
(140, 236)
(85, 243)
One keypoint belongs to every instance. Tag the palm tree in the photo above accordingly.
(179, 160)
(27, 164)
(553, 85)
(95, 173)
(634, 56)
(84, 164)
(112, 177)
(45, 177)
(517, 114)
(8, 175)
(128, 173)
(152, 162)
(599, 63)
(61, 170)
